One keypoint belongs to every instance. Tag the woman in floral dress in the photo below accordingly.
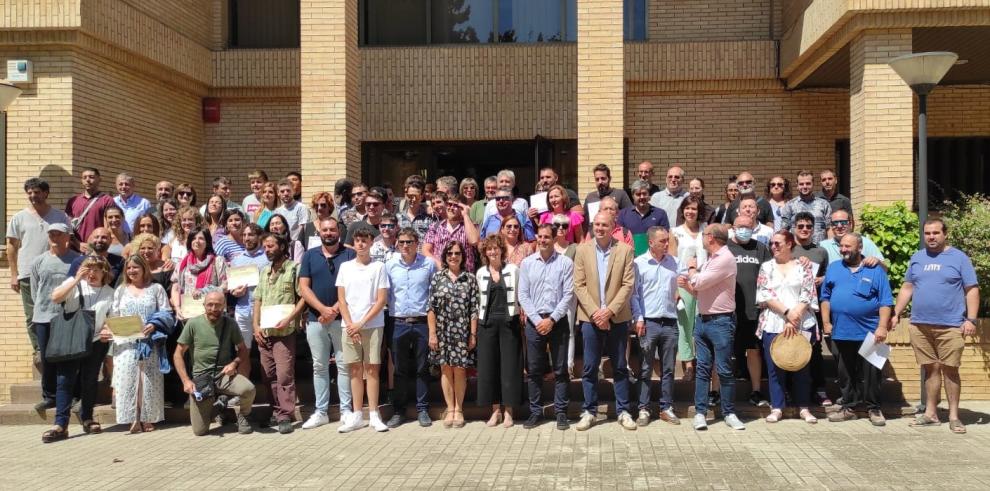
(453, 321)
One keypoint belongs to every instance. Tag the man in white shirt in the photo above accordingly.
(362, 291)
(294, 211)
(506, 179)
(669, 198)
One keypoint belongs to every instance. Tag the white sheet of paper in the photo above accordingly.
(593, 210)
(272, 314)
(814, 269)
(539, 201)
(313, 242)
(242, 276)
(874, 352)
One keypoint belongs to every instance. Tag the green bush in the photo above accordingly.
(968, 220)
(895, 231)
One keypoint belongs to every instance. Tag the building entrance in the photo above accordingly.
(392, 162)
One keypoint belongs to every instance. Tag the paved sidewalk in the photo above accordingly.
(788, 455)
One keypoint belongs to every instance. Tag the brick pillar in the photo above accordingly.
(880, 120)
(330, 98)
(600, 90)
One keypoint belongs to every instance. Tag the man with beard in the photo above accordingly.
(317, 279)
(47, 272)
(253, 255)
(603, 183)
(744, 183)
(856, 300)
(750, 254)
(86, 209)
(27, 238)
(99, 244)
(277, 343)
(830, 192)
(549, 178)
(164, 190)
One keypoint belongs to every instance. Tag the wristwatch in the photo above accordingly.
(972, 319)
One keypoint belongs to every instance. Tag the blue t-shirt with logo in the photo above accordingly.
(855, 299)
(939, 283)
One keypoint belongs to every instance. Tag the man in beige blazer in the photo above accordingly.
(603, 285)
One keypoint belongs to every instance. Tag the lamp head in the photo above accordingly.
(923, 71)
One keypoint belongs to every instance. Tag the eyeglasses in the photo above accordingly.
(386, 226)
(804, 226)
(840, 223)
(455, 254)
(745, 182)
(502, 198)
(776, 184)
(558, 226)
(372, 204)
(405, 241)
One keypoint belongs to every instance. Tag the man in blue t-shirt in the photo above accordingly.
(855, 302)
(942, 287)
(317, 286)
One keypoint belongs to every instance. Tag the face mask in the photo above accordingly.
(744, 234)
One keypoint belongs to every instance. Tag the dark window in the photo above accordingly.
(634, 20)
(395, 22)
(422, 22)
(261, 24)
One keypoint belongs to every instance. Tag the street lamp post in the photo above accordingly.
(922, 72)
(8, 92)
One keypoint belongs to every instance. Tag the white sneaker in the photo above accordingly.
(315, 420)
(376, 422)
(733, 421)
(587, 420)
(626, 421)
(351, 422)
(700, 423)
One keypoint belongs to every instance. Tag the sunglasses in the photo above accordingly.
(405, 241)
(558, 226)
(183, 193)
(840, 223)
(804, 226)
(776, 184)
(455, 254)
(386, 226)
(502, 198)
(777, 244)
(512, 226)
(372, 204)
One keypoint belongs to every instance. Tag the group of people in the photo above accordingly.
(468, 277)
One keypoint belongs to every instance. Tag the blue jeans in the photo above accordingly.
(536, 365)
(48, 378)
(777, 379)
(87, 372)
(323, 338)
(613, 341)
(410, 347)
(713, 344)
(662, 338)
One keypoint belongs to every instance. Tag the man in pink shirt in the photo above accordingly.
(86, 209)
(714, 285)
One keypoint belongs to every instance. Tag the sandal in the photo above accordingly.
(447, 423)
(495, 420)
(923, 420)
(808, 417)
(136, 427)
(90, 426)
(459, 422)
(957, 427)
(54, 435)
(775, 415)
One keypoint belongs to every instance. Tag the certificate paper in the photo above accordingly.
(593, 210)
(191, 307)
(272, 314)
(129, 326)
(874, 352)
(313, 242)
(539, 201)
(242, 276)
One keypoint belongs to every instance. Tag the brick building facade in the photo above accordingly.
(767, 85)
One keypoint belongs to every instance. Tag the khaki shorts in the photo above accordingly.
(937, 344)
(369, 351)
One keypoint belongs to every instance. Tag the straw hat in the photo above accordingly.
(790, 353)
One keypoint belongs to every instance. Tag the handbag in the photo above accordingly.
(206, 382)
(71, 335)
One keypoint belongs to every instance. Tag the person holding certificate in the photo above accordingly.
(242, 279)
(140, 361)
(86, 290)
(199, 273)
(277, 306)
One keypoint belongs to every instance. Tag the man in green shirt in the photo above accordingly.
(211, 339)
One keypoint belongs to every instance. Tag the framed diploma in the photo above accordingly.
(129, 326)
(272, 314)
(191, 307)
(242, 276)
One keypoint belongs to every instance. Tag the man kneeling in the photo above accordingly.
(212, 338)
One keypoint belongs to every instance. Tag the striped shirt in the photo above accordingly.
(546, 287)
(227, 248)
(440, 235)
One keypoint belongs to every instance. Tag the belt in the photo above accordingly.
(661, 320)
(411, 320)
(709, 317)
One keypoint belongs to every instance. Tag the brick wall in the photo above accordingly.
(711, 20)
(39, 133)
(715, 135)
(190, 18)
(957, 111)
(123, 120)
(252, 133)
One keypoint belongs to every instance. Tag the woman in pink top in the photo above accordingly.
(557, 201)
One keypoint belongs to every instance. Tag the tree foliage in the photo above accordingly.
(968, 220)
(894, 229)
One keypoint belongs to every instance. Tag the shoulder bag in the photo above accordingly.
(71, 333)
